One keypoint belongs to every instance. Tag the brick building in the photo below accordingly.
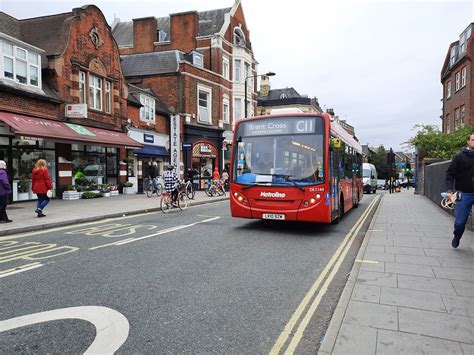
(197, 63)
(63, 98)
(458, 83)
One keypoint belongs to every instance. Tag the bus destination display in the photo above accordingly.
(280, 126)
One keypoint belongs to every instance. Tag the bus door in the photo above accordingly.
(334, 182)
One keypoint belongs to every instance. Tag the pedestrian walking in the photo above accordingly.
(460, 177)
(151, 172)
(225, 179)
(41, 186)
(5, 190)
(215, 175)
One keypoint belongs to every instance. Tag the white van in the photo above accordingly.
(369, 178)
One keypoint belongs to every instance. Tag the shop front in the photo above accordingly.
(67, 148)
(155, 149)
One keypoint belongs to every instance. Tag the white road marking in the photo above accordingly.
(111, 326)
(20, 269)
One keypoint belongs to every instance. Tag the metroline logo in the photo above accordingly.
(272, 194)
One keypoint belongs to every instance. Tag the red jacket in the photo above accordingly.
(40, 181)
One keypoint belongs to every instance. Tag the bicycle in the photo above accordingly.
(188, 187)
(167, 203)
(148, 187)
(216, 188)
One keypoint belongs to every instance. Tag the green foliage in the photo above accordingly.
(127, 184)
(23, 186)
(88, 195)
(432, 143)
(379, 159)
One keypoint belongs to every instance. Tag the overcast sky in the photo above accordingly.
(377, 63)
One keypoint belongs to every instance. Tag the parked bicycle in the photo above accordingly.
(216, 187)
(189, 188)
(149, 188)
(167, 203)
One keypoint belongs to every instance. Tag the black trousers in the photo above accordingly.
(3, 208)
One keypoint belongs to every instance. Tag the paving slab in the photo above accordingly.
(459, 305)
(372, 315)
(355, 340)
(464, 288)
(412, 299)
(417, 260)
(366, 293)
(453, 273)
(409, 269)
(427, 284)
(405, 250)
(377, 278)
(436, 324)
(390, 342)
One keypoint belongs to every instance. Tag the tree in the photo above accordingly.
(432, 143)
(379, 159)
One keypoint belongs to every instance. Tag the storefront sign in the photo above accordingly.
(175, 141)
(83, 131)
(76, 110)
(205, 149)
(148, 138)
(280, 126)
(187, 146)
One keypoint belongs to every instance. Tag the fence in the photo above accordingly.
(434, 184)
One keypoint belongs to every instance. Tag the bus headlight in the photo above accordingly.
(312, 201)
(318, 196)
(240, 198)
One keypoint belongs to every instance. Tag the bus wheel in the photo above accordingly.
(340, 212)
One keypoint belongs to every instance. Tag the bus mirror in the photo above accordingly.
(336, 143)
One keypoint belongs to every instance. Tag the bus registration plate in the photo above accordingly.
(273, 216)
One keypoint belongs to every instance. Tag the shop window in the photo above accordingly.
(20, 64)
(97, 165)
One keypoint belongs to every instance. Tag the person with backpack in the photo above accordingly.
(460, 177)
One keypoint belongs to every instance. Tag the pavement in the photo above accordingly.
(409, 291)
(64, 212)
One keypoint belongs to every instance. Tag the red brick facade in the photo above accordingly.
(464, 96)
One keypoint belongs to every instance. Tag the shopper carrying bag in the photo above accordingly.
(41, 186)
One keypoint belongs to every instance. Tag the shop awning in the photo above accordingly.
(63, 131)
(152, 150)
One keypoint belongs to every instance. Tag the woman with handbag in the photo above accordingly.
(5, 190)
(41, 186)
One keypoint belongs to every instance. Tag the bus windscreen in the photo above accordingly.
(279, 151)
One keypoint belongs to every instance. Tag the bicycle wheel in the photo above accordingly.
(165, 203)
(221, 191)
(209, 191)
(190, 191)
(159, 189)
(148, 188)
(182, 201)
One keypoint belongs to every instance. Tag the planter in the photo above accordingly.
(106, 194)
(71, 195)
(128, 191)
(114, 193)
(23, 196)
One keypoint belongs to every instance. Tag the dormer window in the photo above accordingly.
(283, 96)
(198, 59)
(162, 36)
(453, 55)
(147, 111)
(239, 38)
(462, 43)
(19, 64)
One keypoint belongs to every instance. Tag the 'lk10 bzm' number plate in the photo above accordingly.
(273, 216)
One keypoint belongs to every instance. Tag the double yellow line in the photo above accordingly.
(316, 293)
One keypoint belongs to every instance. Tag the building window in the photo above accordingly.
(248, 76)
(82, 87)
(463, 77)
(448, 123)
(162, 35)
(237, 108)
(95, 92)
(198, 59)
(147, 111)
(237, 64)
(462, 43)
(458, 81)
(20, 65)
(107, 97)
(204, 104)
(448, 89)
(456, 119)
(225, 67)
(225, 110)
(463, 113)
(239, 38)
(453, 55)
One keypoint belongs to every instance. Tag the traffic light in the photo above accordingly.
(407, 167)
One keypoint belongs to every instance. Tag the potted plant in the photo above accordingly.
(70, 193)
(114, 190)
(128, 188)
(105, 190)
(23, 190)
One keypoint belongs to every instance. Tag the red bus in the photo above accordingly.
(296, 167)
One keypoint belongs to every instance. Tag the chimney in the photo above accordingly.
(264, 85)
(184, 30)
(330, 111)
(144, 34)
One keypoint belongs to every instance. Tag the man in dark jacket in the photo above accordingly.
(460, 174)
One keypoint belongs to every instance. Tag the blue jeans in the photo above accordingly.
(43, 200)
(463, 209)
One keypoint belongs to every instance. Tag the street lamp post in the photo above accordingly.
(245, 92)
